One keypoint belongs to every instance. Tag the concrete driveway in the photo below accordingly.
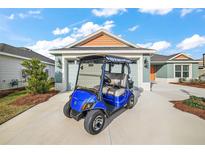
(152, 121)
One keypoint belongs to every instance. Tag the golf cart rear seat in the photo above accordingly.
(117, 85)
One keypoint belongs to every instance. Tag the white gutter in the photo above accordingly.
(101, 51)
(174, 61)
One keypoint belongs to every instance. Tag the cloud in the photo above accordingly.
(108, 12)
(161, 11)
(160, 45)
(90, 27)
(11, 17)
(59, 31)
(31, 13)
(34, 12)
(192, 42)
(184, 12)
(43, 46)
(133, 28)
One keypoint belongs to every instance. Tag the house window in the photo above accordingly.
(181, 71)
(178, 71)
(185, 71)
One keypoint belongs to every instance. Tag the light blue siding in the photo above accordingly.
(161, 71)
(134, 75)
(195, 71)
(58, 69)
(72, 75)
(167, 70)
(170, 70)
(146, 70)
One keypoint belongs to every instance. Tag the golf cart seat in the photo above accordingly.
(117, 85)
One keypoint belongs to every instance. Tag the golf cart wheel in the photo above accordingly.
(131, 103)
(67, 110)
(94, 121)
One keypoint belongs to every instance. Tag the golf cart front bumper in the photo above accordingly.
(76, 115)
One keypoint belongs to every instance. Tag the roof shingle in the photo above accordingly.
(23, 52)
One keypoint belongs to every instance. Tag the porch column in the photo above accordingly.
(64, 74)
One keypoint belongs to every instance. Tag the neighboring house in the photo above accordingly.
(11, 68)
(202, 67)
(100, 42)
(171, 68)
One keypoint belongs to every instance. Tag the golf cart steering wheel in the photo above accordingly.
(107, 80)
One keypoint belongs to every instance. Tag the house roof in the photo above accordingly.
(96, 34)
(164, 58)
(79, 45)
(23, 52)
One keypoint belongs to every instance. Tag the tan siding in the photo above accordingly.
(103, 40)
(181, 57)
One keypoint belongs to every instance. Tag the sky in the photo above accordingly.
(168, 31)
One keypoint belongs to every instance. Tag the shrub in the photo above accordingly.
(196, 102)
(38, 81)
(181, 80)
(14, 82)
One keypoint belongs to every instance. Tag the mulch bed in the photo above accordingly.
(34, 99)
(183, 107)
(4, 93)
(197, 85)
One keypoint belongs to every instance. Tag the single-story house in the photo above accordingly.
(10, 65)
(102, 41)
(171, 68)
(202, 67)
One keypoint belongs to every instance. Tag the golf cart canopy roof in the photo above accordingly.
(106, 58)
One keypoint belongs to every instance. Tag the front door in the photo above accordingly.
(152, 73)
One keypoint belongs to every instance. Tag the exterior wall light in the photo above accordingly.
(146, 64)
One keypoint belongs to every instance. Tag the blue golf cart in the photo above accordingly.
(103, 86)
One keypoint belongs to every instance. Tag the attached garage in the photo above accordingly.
(101, 42)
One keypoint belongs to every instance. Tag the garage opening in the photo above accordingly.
(73, 69)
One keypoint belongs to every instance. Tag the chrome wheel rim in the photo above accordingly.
(98, 122)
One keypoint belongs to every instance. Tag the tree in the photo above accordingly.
(38, 81)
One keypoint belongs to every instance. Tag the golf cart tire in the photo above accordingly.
(67, 110)
(89, 121)
(131, 103)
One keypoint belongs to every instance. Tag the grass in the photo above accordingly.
(7, 110)
(20, 101)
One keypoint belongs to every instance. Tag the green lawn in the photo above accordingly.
(7, 110)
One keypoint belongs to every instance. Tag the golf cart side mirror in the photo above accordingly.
(130, 84)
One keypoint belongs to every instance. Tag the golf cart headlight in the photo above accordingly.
(87, 106)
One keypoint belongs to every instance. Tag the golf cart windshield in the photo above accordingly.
(89, 76)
